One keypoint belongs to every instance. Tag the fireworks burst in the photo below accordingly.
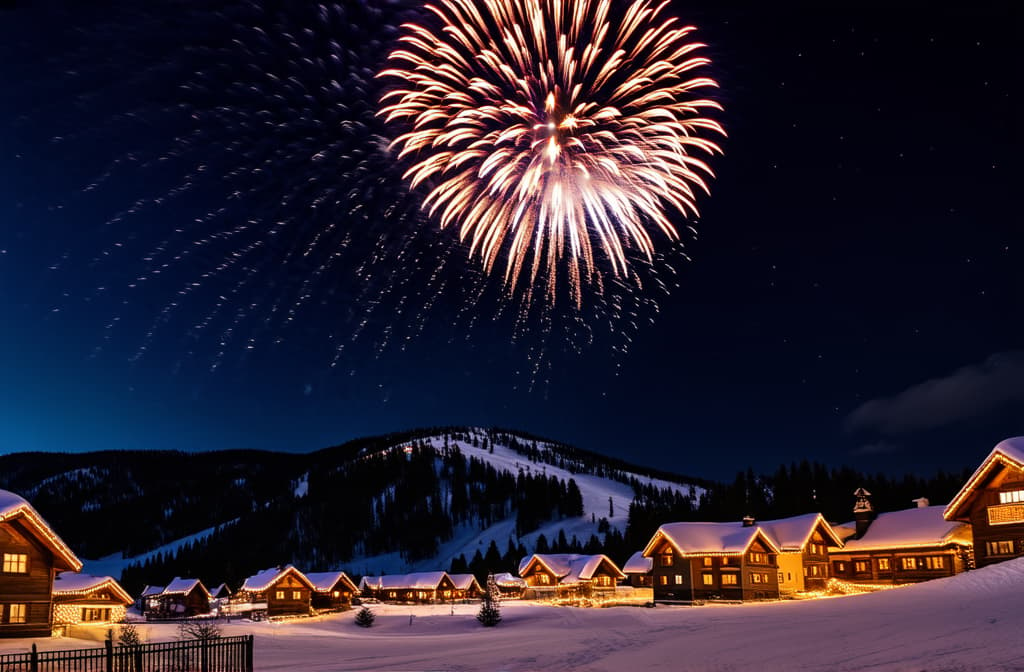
(547, 129)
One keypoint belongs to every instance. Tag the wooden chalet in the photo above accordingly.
(418, 587)
(180, 598)
(992, 501)
(713, 561)
(332, 590)
(148, 599)
(466, 587)
(81, 598)
(564, 573)
(509, 586)
(32, 554)
(804, 544)
(900, 546)
(638, 570)
(221, 592)
(285, 591)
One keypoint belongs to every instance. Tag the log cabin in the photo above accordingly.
(992, 501)
(332, 591)
(509, 586)
(285, 591)
(466, 587)
(899, 547)
(638, 570)
(804, 544)
(557, 574)
(81, 598)
(695, 562)
(149, 599)
(32, 554)
(221, 592)
(424, 587)
(180, 598)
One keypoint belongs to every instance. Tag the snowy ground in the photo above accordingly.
(971, 622)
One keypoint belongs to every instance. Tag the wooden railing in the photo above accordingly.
(225, 654)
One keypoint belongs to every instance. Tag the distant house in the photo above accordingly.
(713, 561)
(466, 587)
(149, 599)
(560, 573)
(332, 590)
(32, 554)
(900, 546)
(180, 598)
(508, 585)
(417, 587)
(992, 501)
(81, 598)
(804, 543)
(638, 570)
(221, 592)
(286, 591)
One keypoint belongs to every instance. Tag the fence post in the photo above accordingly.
(33, 662)
(204, 657)
(138, 658)
(248, 653)
(109, 646)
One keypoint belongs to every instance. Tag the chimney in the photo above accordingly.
(922, 502)
(748, 521)
(863, 512)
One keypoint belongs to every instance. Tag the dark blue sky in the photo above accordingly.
(855, 295)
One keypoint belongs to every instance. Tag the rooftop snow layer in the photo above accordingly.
(791, 534)
(325, 581)
(463, 581)
(922, 526)
(638, 564)
(568, 567)
(697, 538)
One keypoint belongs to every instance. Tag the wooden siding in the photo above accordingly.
(730, 577)
(983, 532)
(33, 588)
(289, 604)
(869, 566)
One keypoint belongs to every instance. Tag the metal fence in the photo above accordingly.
(224, 654)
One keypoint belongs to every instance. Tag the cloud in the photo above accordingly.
(966, 393)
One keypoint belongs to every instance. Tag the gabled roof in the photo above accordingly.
(910, 528)
(416, 581)
(506, 580)
(73, 583)
(1007, 453)
(570, 568)
(792, 534)
(324, 582)
(219, 589)
(13, 507)
(152, 591)
(180, 586)
(638, 564)
(465, 582)
(709, 538)
(262, 580)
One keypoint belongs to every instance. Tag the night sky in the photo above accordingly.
(855, 295)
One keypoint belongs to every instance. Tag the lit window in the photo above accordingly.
(544, 579)
(679, 579)
(815, 570)
(730, 579)
(94, 615)
(665, 559)
(999, 547)
(336, 593)
(757, 558)
(15, 563)
(908, 563)
(296, 595)
(883, 564)
(1011, 497)
(708, 561)
(663, 580)
(840, 566)
(755, 577)
(781, 577)
(16, 613)
(279, 595)
(708, 579)
(860, 566)
(934, 562)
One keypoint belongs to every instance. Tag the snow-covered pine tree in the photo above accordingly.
(490, 610)
(364, 617)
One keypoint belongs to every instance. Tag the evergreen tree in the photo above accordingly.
(490, 610)
(364, 617)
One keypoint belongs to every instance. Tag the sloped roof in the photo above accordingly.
(222, 587)
(638, 564)
(792, 534)
(415, 581)
(73, 583)
(709, 538)
(570, 567)
(465, 581)
(1009, 452)
(325, 581)
(910, 528)
(180, 586)
(262, 580)
(13, 506)
(506, 580)
(150, 591)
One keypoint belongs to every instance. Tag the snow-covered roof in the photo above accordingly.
(325, 581)
(638, 564)
(262, 580)
(570, 567)
(792, 534)
(150, 591)
(180, 586)
(709, 538)
(506, 580)
(909, 528)
(464, 581)
(415, 581)
(13, 506)
(1009, 452)
(73, 583)
(221, 588)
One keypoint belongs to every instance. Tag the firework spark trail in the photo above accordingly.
(546, 129)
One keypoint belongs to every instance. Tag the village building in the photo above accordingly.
(992, 501)
(32, 554)
(557, 574)
(81, 598)
(332, 591)
(285, 591)
(466, 586)
(900, 547)
(804, 544)
(181, 598)
(509, 586)
(148, 599)
(417, 587)
(713, 561)
(638, 570)
(221, 592)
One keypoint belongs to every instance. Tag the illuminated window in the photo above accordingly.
(999, 547)
(336, 593)
(663, 580)
(665, 559)
(727, 560)
(883, 564)
(708, 579)
(604, 581)
(392, 593)
(908, 563)
(708, 561)
(296, 595)
(781, 577)
(935, 562)
(679, 579)
(1011, 496)
(544, 579)
(840, 566)
(757, 558)
(730, 579)
(860, 566)
(758, 577)
(15, 563)
(815, 570)
(93, 615)
(16, 613)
